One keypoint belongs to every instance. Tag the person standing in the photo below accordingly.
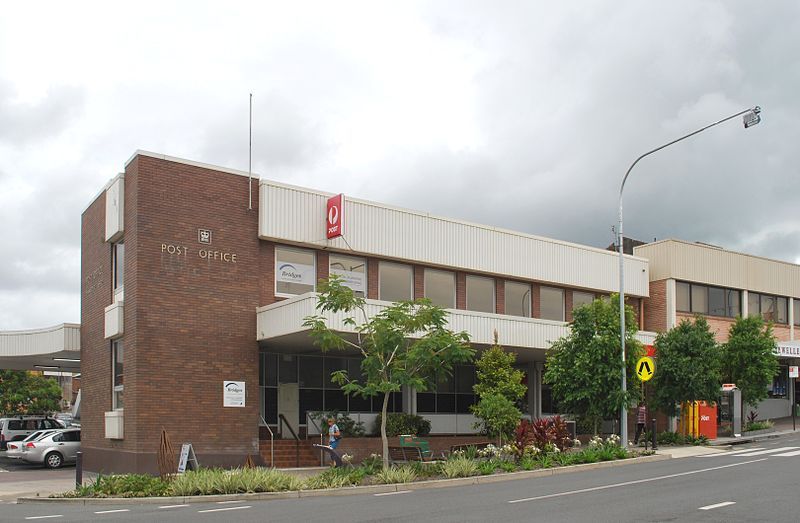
(334, 435)
(641, 422)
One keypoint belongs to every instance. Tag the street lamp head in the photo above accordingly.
(752, 117)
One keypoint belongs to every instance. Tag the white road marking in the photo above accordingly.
(393, 493)
(112, 511)
(173, 506)
(789, 454)
(768, 451)
(717, 505)
(45, 517)
(223, 509)
(229, 502)
(731, 453)
(635, 482)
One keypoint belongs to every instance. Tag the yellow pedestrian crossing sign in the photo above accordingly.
(645, 368)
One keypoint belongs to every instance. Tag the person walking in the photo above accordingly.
(334, 435)
(641, 422)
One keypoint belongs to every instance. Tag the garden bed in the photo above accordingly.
(470, 464)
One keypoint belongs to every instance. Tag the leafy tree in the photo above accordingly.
(407, 343)
(688, 361)
(22, 392)
(499, 387)
(749, 358)
(584, 368)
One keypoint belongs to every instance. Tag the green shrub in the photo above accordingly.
(405, 474)
(486, 468)
(335, 478)
(123, 486)
(563, 458)
(508, 466)
(218, 481)
(670, 438)
(459, 467)
(372, 464)
(401, 423)
(426, 470)
(544, 461)
(527, 463)
(759, 425)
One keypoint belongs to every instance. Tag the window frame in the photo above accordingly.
(494, 292)
(726, 291)
(117, 263)
(117, 390)
(364, 264)
(777, 299)
(426, 271)
(563, 302)
(275, 270)
(528, 292)
(384, 263)
(574, 292)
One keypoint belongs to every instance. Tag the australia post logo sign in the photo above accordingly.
(334, 217)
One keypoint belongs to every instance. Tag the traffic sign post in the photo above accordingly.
(645, 368)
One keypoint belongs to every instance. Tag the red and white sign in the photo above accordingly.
(794, 371)
(728, 387)
(334, 217)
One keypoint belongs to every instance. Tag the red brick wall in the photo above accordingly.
(500, 296)
(655, 307)
(461, 290)
(721, 327)
(323, 266)
(189, 320)
(361, 448)
(536, 300)
(372, 278)
(419, 281)
(568, 304)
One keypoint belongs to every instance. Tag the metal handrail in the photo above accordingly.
(281, 420)
(271, 442)
(321, 441)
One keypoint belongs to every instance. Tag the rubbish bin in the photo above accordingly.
(797, 409)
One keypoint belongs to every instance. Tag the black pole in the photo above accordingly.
(653, 430)
(79, 469)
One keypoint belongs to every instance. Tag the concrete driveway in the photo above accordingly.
(21, 479)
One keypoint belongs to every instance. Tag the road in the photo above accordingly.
(754, 482)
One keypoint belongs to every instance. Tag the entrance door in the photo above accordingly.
(289, 406)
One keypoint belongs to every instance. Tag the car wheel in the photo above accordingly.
(53, 460)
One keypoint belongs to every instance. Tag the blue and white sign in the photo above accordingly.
(296, 273)
(352, 279)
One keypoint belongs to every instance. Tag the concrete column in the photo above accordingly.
(672, 317)
(745, 311)
(409, 399)
(791, 323)
(536, 411)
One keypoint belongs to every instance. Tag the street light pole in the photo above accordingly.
(751, 118)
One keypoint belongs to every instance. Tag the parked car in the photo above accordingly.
(20, 427)
(15, 447)
(54, 449)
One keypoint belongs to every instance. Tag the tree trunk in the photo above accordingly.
(384, 439)
(595, 426)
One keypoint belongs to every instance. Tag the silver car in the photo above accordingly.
(54, 449)
(15, 447)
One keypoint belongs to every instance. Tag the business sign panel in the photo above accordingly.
(233, 394)
(334, 216)
(355, 280)
(296, 273)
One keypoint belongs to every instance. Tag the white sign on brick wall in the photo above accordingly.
(233, 394)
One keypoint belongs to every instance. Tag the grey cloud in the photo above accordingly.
(25, 123)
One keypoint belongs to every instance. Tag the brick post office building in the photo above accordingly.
(192, 307)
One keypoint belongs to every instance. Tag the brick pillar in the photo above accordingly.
(419, 282)
(568, 304)
(372, 279)
(323, 266)
(461, 290)
(536, 302)
(500, 296)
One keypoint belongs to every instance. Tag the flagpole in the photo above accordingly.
(250, 159)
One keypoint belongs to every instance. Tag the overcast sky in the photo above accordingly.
(523, 115)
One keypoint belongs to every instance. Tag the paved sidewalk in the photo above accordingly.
(688, 451)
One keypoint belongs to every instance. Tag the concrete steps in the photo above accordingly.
(286, 456)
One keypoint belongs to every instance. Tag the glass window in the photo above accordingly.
(682, 297)
(780, 383)
(271, 370)
(352, 270)
(734, 303)
(332, 365)
(769, 308)
(310, 372)
(480, 294)
(117, 359)
(287, 369)
(716, 301)
(396, 282)
(782, 312)
(700, 299)
(753, 304)
(518, 299)
(796, 312)
(552, 303)
(295, 272)
(270, 412)
(451, 395)
(581, 298)
(440, 288)
(118, 256)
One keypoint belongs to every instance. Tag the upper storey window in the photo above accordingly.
(552, 306)
(395, 282)
(118, 265)
(352, 270)
(440, 288)
(581, 298)
(771, 308)
(704, 299)
(518, 299)
(480, 294)
(295, 271)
